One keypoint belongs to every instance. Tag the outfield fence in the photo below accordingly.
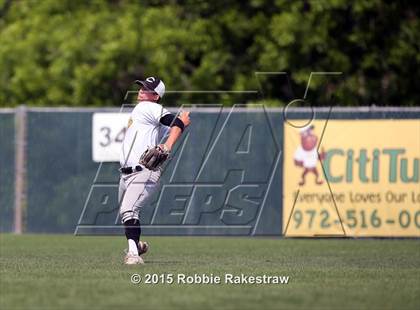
(233, 173)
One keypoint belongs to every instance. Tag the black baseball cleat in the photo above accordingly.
(142, 247)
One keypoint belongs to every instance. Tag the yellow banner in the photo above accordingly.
(359, 178)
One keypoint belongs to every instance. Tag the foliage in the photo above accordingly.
(87, 53)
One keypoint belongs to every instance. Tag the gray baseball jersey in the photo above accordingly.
(145, 131)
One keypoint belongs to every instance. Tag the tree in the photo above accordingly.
(87, 53)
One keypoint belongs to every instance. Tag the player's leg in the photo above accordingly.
(139, 187)
(150, 187)
(150, 180)
(132, 233)
(128, 192)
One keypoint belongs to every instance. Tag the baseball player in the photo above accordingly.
(142, 156)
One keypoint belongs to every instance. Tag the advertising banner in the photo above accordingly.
(352, 178)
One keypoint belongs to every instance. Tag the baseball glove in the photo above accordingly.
(154, 157)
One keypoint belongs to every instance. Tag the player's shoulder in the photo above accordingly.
(147, 106)
(155, 105)
(149, 109)
(144, 107)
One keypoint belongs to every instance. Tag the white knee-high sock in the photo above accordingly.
(132, 246)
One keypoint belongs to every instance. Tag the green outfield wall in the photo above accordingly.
(225, 177)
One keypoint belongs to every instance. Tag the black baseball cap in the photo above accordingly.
(153, 84)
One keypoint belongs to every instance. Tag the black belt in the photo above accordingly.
(128, 170)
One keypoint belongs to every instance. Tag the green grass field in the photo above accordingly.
(67, 272)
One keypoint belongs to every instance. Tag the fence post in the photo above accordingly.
(20, 168)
